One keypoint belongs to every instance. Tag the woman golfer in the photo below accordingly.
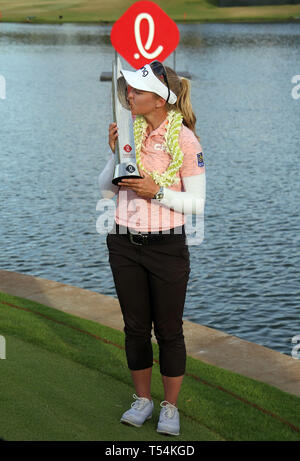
(148, 253)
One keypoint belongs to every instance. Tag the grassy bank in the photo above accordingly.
(66, 378)
(97, 11)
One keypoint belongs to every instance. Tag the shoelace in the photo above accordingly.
(139, 403)
(170, 409)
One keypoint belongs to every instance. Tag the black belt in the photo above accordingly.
(144, 238)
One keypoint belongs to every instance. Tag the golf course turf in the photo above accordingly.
(99, 11)
(66, 378)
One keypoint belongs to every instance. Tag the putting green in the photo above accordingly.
(66, 378)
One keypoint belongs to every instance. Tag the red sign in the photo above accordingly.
(144, 33)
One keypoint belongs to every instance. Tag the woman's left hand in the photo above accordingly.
(145, 187)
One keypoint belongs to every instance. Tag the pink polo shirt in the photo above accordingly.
(147, 215)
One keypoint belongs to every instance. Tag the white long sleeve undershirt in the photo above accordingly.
(190, 201)
(107, 188)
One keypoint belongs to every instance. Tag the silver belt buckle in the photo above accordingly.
(144, 238)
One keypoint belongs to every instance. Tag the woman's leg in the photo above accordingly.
(172, 387)
(142, 382)
(131, 282)
(168, 304)
(169, 269)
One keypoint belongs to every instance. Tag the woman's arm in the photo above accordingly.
(107, 188)
(192, 200)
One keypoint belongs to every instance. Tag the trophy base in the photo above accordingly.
(125, 170)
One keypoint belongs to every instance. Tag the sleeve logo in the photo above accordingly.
(200, 159)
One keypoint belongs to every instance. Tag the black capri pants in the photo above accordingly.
(151, 281)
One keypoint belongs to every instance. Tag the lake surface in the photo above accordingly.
(53, 122)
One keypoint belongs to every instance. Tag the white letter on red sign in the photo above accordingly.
(137, 34)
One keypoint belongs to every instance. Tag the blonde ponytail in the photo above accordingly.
(182, 88)
(184, 104)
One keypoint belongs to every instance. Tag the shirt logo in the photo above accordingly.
(159, 147)
(200, 159)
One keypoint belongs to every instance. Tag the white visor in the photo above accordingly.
(144, 79)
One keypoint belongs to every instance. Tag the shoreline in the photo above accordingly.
(195, 21)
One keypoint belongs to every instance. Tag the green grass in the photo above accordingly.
(46, 396)
(95, 11)
(66, 378)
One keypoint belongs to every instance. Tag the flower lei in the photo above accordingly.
(174, 121)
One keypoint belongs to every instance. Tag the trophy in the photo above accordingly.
(126, 166)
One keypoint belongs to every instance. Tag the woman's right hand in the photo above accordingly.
(113, 135)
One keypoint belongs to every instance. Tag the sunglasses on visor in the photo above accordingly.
(158, 69)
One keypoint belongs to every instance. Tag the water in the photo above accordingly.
(245, 275)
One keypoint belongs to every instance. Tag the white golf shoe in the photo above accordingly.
(140, 411)
(168, 419)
